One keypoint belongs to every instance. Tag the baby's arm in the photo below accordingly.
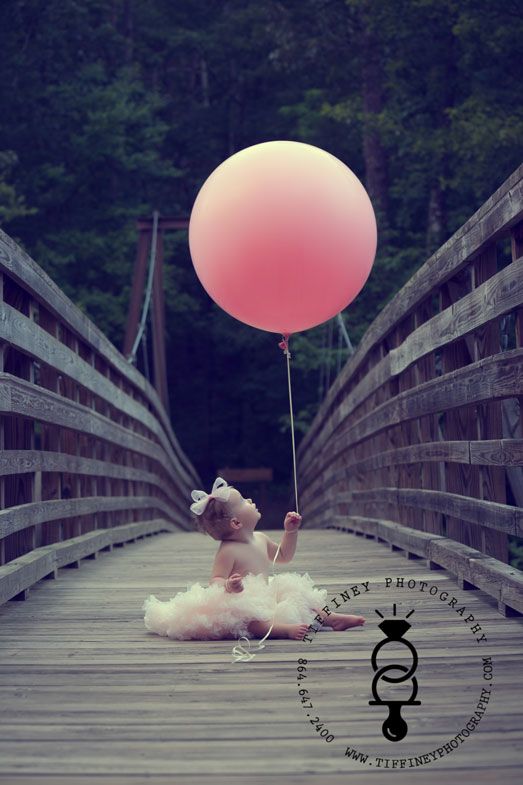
(223, 564)
(271, 550)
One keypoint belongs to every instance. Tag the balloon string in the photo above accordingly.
(284, 344)
(241, 653)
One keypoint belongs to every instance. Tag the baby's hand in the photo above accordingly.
(292, 521)
(234, 583)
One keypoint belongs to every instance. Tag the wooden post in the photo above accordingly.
(491, 479)
(18, 431)
(427, 427)
(71, 442)
(50, 436)
(3, 348)
(408, 433)
(460, 422)
(396, 472)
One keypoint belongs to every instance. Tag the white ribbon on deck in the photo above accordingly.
(242, 654)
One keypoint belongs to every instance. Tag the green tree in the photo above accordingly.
(113, 108)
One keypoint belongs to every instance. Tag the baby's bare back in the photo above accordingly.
(250, 557)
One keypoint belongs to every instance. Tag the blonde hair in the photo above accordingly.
(215, 520)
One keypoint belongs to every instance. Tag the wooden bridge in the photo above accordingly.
(411, 485)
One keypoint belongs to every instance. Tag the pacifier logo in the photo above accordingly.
(394, 728)
(384, 663)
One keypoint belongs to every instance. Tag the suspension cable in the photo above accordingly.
(152, 261)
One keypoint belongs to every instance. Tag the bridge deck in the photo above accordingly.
(87, 691)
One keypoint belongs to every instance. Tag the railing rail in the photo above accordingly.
(422, 429)
(86, 446)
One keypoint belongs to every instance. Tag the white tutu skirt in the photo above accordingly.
(211, 613)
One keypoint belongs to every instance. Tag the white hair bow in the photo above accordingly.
(220, 490)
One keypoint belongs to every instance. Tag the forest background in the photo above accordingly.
(114, 108)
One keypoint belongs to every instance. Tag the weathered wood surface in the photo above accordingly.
(495, 217)
(19, 575)
(470, 568)
(415, 426)
(29, 275)
(491, 515)
(88, 694)
(85, 441)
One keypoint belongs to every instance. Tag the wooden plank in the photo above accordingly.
(492, 452)
(496, 296)
(165, 223)
(30, 461)
(18, 518)
(491, 378)
(463, 394)
(33, 279)
(24, 400)
(500, 517)
(506, 775)
(471, 567)
(86, 691)
(254, 474)
(495, 217)
(486, 452)
(502, 775)
(18, 575)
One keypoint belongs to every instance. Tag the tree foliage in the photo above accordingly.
(113, 108)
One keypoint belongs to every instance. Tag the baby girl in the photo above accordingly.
(241, 598)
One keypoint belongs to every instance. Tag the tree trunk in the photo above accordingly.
(437, 217)
(127, 29)
(234, 106)
(204, 81)
(374, 153)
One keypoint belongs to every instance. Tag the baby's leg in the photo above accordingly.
(340, 621)
(260, 628)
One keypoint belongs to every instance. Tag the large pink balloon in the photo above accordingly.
(282, 236)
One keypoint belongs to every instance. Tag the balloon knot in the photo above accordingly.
(284, 344)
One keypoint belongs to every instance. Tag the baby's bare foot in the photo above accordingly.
(342, 621)
(297, 631)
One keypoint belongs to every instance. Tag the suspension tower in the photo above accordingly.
(150, 243)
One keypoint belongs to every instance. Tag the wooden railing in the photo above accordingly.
(88, 458)
(418, 441)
